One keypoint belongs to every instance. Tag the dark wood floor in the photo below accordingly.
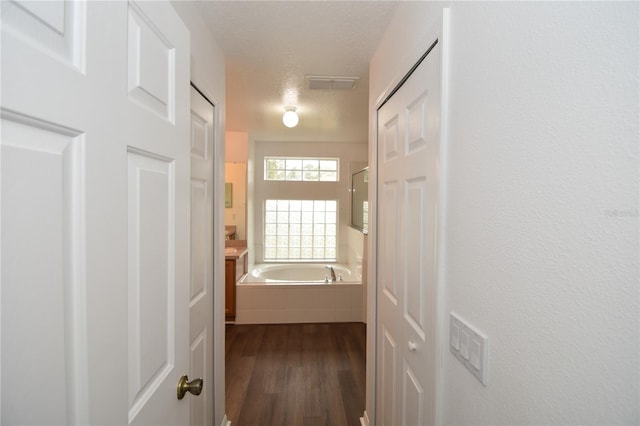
(295, 374)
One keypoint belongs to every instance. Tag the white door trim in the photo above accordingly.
(440, 32)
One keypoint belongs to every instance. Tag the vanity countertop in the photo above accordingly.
(231, 253)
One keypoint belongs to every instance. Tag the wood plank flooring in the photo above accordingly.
(295, 374)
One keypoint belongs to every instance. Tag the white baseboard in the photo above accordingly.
(225, 421)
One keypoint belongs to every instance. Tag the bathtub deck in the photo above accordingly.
(295, 374)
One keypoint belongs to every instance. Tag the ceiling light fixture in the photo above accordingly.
(290, 118)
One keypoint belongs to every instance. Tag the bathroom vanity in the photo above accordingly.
(235, 263)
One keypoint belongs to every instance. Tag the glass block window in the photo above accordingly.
(300, 230)
(301, 169)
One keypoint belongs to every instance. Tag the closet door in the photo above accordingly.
(201, 288)
(408, 185)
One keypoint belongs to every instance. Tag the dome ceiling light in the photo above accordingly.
(290, 117)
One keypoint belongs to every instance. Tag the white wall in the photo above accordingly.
(357, 261)
(355, 247)
(207, 73)
(541, 216)
(236, 157)
(237, 147)
(236, 215)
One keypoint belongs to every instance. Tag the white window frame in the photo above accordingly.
(301, 169)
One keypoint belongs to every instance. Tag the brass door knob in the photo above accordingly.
(184, 385)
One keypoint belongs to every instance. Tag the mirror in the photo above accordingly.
(360, 200)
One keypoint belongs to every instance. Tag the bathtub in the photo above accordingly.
(299, 293)
(300, 273)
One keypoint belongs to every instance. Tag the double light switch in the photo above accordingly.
(470, 347)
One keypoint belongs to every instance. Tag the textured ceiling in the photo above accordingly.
(271, 45)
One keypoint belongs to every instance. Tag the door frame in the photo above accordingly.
(438, 31)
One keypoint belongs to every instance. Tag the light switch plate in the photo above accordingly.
(470, 347)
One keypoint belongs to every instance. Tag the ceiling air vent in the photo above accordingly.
(318, 82)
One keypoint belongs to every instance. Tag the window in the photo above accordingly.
(301, 169)
(300, 230)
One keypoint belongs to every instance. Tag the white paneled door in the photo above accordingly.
(201, 288)
(95, 213)
(408, 176)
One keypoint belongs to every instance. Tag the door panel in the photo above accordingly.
(95, 237)
(389, 376)
(390, 139)
(151, 288)
(151, 54)
(53, 27)
(200, 273)
(414, 241)
(408, 157)
(389, 242)
(200, 364)
(413, 399)
(416, 125)
(40, 165)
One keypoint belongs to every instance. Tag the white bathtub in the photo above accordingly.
(298, 293)
(300, 273)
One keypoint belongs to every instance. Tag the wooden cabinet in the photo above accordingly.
(235, 266)
(230, 290)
